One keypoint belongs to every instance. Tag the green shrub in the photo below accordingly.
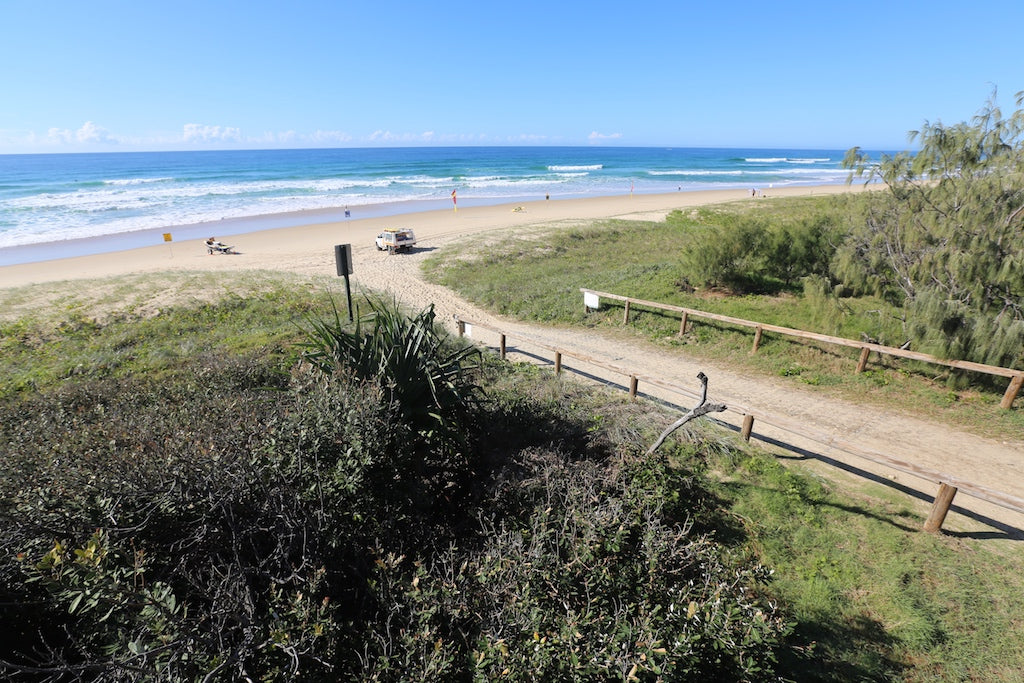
(724, 257)
(596, 582)
(591, 580)
(751, 254)
(156, 537)
(424, 372)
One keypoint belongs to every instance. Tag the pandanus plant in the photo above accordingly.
(426, 374)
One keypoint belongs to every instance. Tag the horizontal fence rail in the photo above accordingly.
(592, 301)
(949, 485)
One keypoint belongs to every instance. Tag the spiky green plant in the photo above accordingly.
(426, 374)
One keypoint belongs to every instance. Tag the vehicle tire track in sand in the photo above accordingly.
(988, 462)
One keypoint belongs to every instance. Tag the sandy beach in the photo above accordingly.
(310, 248)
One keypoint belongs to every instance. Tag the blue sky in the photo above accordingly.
(153, 75)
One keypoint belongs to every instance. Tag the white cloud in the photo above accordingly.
(90, 132)
(197, 135)
(598, 137)
(330, 136)
(196, 132)
(528, 137)
(388, 136)
(59, 135)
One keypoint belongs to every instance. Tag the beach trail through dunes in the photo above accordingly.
(993, 463)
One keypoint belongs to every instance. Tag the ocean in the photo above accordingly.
(55, 204)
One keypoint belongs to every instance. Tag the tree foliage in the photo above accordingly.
(757, 254)
(946, 239)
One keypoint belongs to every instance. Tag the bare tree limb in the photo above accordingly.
(702, 408)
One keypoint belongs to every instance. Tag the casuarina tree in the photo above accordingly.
(946, 240)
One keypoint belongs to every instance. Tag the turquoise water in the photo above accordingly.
(56, 198)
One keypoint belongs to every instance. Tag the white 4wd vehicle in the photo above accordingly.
(396, 239)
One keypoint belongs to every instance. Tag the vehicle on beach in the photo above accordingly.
(396, 239)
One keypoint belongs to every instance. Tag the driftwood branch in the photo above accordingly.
(702, 408)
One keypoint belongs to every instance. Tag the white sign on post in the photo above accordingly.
(468, 330)
(591, 301)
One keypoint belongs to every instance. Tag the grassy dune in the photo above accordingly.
(866, 595)
(538, 278)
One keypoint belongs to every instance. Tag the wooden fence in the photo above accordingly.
(591, 300)
(948, 484)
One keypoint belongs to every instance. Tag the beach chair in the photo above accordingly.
(219, 248)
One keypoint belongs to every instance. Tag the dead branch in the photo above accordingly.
(702, 408)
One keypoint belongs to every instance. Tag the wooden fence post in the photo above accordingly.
(943, 501)
(682, 325)
(558, 362)
(633, 383)
(748, 426)
(757, 338)
(501, 346)
(462, 328)
(863, 362)
(1011, 392)
(625, 314)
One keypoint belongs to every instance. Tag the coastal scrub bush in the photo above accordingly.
(238, 522)
(799, 249)
(758, 254)
(581, 573)
(218, 527)
(726, 257)
(149, 534)
(427, 381)
(598, 582)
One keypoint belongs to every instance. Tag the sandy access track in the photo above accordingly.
(308, 250)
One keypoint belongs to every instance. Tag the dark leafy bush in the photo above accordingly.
(593, 582)
(240, 523)
(155, 537)
(427, 379)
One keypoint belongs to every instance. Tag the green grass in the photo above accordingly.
(121, 331)
(538, 279)
(870, 596)
(873, 597)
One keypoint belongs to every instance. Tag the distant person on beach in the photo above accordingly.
(214, 246)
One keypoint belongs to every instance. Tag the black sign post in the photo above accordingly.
(343, 261)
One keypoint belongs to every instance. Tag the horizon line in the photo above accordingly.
(467, 146)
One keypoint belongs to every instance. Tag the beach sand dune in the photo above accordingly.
(309, 250)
